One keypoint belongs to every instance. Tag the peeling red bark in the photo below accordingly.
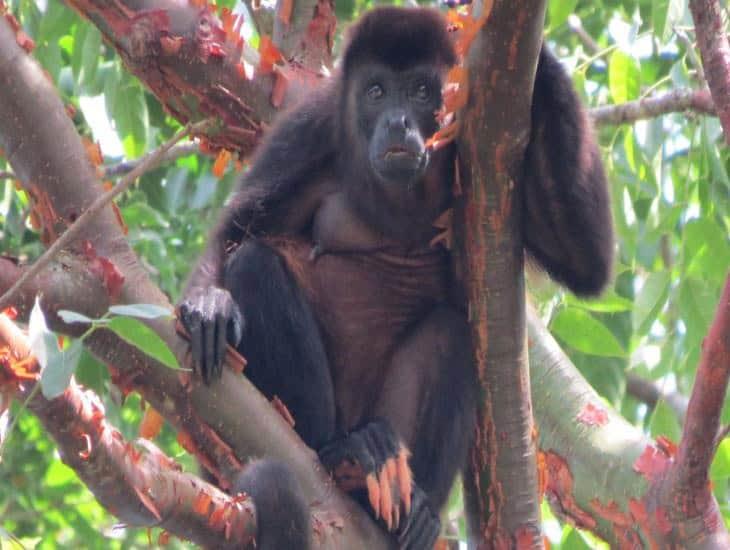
(501, 482)
(137, 481)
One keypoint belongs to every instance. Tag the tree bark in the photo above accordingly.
(501, 477)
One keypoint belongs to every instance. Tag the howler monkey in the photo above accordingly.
(321, 273)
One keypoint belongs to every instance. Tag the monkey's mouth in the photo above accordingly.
(400, 152)
(399, 162)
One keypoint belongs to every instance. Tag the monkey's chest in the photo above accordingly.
(365, 303)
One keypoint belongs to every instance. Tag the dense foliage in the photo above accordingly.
(670, 187)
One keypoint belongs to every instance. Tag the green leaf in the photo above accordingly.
(559, 10)
(649, 301)
(675, 15)
(609, 302)
(720, 468)
(658, 15)
(73, 317)
(706, 249)
(111, 88)
(698, 302)
(79, 35)
(140, 214)
(92, 374)
(56, 376)
(623, 77)
(141, 311)
(90, 60)
(130, 116)
(580, 330)
(664, 422)
(59, 475)
(143, 338)
(574, 541)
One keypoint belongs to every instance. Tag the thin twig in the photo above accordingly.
(125, 166)
(675, 101)
(576, 25)
(103, 200)
(649, 393)
(7, 176)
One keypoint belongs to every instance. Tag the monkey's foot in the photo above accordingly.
(421, 527)
(373, 459)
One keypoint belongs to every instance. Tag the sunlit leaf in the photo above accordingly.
(57, 374)
(664, 422)
(559, 10)
(649, 301)
(141, 311)
(73, 317)
(580, 330)
(609, 302)
(721, 464)
(623, 77)
(143, 338)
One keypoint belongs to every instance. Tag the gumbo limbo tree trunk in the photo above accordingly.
(653, 493)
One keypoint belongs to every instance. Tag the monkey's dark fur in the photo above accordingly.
(350, 315)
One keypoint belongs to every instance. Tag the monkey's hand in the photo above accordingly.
(213, 320)
(373, 460)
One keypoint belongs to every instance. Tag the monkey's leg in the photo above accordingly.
(281, 340)
(427, 403)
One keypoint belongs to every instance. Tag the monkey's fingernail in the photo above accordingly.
(392, 468)
(386, 499)
(404, 479)
(373, 493)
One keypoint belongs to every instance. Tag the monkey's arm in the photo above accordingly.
(567, 221)
(279, 194)
(282, 188)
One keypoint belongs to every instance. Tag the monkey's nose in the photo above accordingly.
(398, 121)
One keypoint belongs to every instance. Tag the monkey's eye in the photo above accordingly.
(375, 92)
(421, 92)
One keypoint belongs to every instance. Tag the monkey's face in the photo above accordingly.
(395, 116)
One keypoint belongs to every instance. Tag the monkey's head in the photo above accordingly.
(392, 72)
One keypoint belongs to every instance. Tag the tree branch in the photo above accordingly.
(703, 414)
(714, 48)
(649, 392)
(603, 474)
(141, 484)
(675, 101)
(306, 34)
(101, 202)
(501, 478)
(192, 62)
(263, 16)
(126, 166)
